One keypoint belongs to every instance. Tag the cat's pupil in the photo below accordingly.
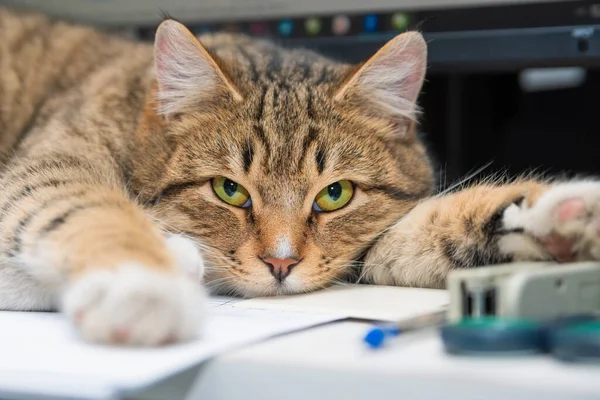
(335, 191)
(230, 187)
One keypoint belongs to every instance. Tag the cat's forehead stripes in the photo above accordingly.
(248, 155)
(289, 93)
(261, 63)
(320, 158)
(284, 127)
(292, 127)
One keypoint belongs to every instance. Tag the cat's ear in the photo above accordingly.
(187, 75)
(389, 83)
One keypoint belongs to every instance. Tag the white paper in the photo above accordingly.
(379, 303)
(40, 353)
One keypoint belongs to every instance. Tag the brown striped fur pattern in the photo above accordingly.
(110, 148)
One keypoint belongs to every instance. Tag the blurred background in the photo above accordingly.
(511, 82)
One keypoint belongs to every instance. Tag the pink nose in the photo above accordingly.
(280, 268)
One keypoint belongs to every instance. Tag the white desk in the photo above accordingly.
(330, 362)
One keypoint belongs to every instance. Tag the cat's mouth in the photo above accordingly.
(250, 275)
(263, 285)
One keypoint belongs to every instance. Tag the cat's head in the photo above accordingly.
(285, 165)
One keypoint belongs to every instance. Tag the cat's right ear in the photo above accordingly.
(187, 75)
(388, 84)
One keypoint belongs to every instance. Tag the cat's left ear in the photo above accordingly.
(389, 83)
(187, 75)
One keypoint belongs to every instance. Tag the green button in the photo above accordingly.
(400, 21)
(313, 26)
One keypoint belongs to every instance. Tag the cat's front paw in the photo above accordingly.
(135, 305)
(186, 252)
(564, 221)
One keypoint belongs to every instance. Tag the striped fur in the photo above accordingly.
(109, 147)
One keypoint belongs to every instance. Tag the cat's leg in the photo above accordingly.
(526, 221)
(71, 238)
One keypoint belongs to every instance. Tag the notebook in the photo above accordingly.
(370, 302)
(42, 356)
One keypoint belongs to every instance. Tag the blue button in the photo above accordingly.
(286, 27)
(371, 23)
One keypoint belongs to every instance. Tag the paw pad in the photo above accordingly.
(570, 209)
(121, 335)
(559, 247)
(134, 305)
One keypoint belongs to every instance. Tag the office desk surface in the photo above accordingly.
(331, 362)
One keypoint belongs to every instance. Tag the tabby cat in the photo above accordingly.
(129, 167)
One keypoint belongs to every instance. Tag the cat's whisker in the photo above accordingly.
(212, 255)
(162, 224)
(355, 264)
(217, 282)
(220, 283)
(224, 289)
(345, 263)
(364, 273)
(464, 180)
(219, 268)
(218, 290)
(223, 279)
(136, 199)
(216, 267)
(337, 282)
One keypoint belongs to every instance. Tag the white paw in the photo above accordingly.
(135, 305)
(187, 256)
(564, 222)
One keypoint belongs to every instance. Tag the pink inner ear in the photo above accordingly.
(167, 42)
(162, 46)
(407, 65)
(162, 51)
(184, 72)
(391, 80)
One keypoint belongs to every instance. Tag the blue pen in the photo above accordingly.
(376, 337)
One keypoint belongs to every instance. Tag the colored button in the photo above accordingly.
(399, 21)
(259, 28)
(312, 26)
(340, 25)
(286, 27)
(371, 23)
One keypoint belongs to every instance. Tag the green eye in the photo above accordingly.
(231, 192)
(334, 196)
